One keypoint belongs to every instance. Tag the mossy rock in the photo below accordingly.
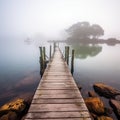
(17, 106)
(95, 105)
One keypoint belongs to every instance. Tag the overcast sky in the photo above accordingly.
(51, 17)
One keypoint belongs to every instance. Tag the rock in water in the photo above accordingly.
(116, 106)
(117, 97)
(104, 118)
(105, 90)
(95, 105)
(92, 94)
(17, 105)
(12, 110)
(9, 116)
(108, 111)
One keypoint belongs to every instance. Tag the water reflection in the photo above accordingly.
(83, 51)
(23, 87)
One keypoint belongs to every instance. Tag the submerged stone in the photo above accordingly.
(9, 116)
(108, 111)
(106, 90)
(116, 106)
(117, 97)
(92, 94)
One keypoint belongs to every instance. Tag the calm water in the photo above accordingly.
(97, 63)
(19, 67)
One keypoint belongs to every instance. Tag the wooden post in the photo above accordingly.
(40, 51)
(54, 45)
(44, 58)
(50, 52)
(72, 62)
(41, 66)
(41, 61)
(67, 54)
(44, 53)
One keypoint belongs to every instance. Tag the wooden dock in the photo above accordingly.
(57, 96)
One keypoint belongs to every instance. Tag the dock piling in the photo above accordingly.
(72, 62)
(54, 45)
(50, 52)
(41, 61)
(67, 54)
(44, 58)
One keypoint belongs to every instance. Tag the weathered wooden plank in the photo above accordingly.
(57, 77)
(57, 73)
(59, 69)
(56, 92)
(54, 115)
(57, 96)
(57, 107)
(57, 88)
(57, 81)
(58, 85)
(57, 101)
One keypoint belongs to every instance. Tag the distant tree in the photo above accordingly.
(83, 30)
(96, 31)
(79, 30)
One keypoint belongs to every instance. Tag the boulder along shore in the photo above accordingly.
(96, 105)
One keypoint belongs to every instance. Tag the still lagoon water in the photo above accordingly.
(19, 66)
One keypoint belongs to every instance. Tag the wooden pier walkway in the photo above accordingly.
(57, 96)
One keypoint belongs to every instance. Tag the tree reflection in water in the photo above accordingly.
(82, 51)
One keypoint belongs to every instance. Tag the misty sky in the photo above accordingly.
(51, 17)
